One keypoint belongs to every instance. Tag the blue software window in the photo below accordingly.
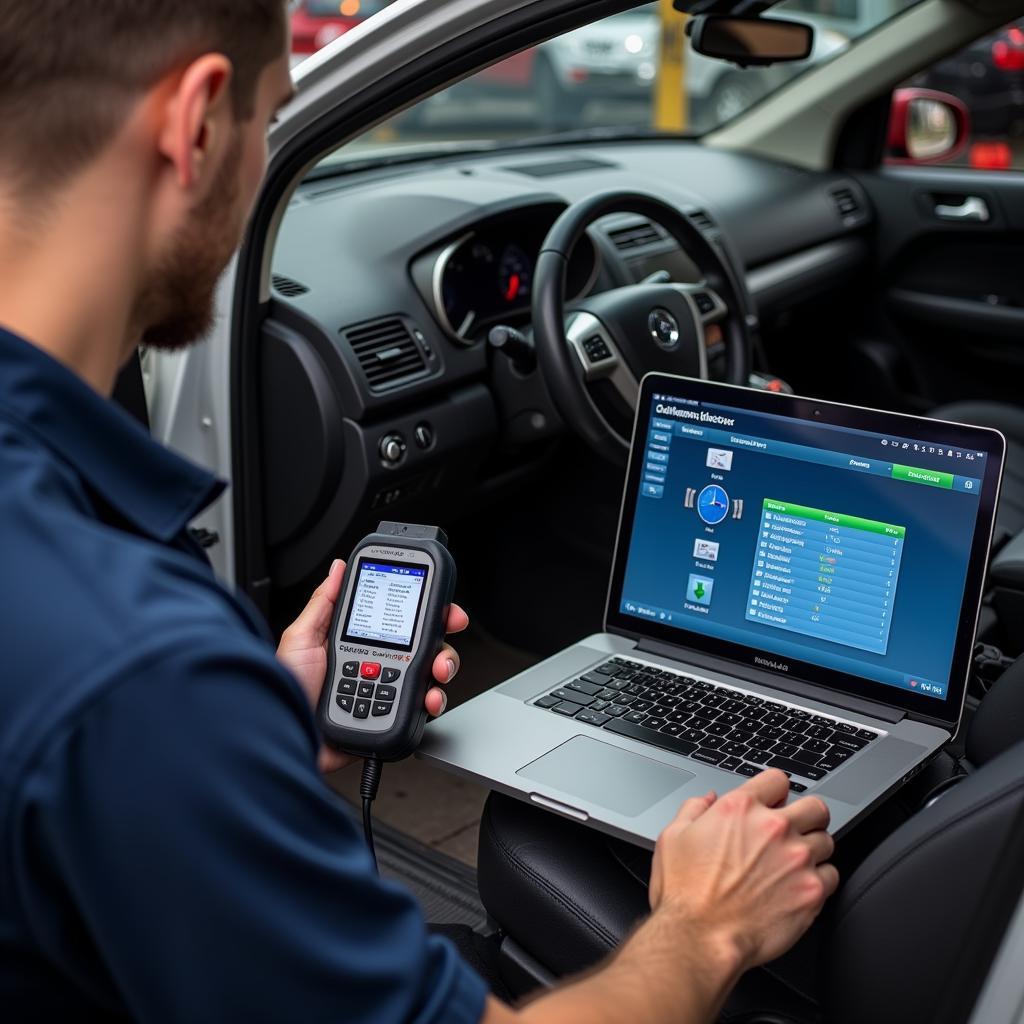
(834, 546)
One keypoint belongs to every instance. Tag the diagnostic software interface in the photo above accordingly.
(386, 602)
(837, 547)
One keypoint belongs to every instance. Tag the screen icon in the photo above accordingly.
(884, 441)
(699, 588)
(707, 550)
(719, 458)
(713, 504)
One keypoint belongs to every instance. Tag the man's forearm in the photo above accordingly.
(654, 979)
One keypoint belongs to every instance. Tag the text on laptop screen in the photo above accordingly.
(838, 547)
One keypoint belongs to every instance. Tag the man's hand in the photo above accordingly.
(303, 651)
(735, 882)
(744, 870)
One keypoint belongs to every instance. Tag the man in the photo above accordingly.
(168, 851)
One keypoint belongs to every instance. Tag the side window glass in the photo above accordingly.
(984, 83)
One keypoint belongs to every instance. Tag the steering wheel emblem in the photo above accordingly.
(664, 329)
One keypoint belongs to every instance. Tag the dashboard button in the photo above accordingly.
(424, 435)
(350, 669)
(392, 449)
(386, 693)
(370, 670)
(382, 710)
(391, 675)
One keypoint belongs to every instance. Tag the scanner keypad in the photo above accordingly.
(360, 694)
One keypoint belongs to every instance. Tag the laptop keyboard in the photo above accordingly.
(713, 724)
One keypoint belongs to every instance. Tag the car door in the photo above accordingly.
(950, 244)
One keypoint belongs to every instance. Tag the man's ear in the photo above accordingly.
(197, 119)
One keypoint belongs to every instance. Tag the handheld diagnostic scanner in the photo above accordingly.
(388, 627)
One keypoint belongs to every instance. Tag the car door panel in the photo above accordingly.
(949, 256)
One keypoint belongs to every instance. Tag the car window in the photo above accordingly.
(622, 73)
(987, 77)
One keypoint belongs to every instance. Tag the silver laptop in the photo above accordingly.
(796, 584)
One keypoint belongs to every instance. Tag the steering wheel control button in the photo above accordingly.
(597, 349)
(664, 329)
(362, 709)
(345, 703)
(347, 687)
(370, 670)
(388, 693)
(382, 710)
(393, 449)
(350, 669)
(391, 675)
(424, 435)
(704, 302)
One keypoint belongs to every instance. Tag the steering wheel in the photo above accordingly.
(611, 340)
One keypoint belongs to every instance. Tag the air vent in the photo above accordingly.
(635, 236)
(387, 352)
(701, 219)
(847, 204)
(286, 286)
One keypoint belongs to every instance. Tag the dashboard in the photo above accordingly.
(379, 388)
(486, 276)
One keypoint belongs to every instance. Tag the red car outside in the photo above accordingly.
(315, 23)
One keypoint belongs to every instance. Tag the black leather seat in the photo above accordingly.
(909, 937)
(1010, 420)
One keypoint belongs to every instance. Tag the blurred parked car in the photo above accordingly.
(616, 59)
(315, 23)
(988, 76)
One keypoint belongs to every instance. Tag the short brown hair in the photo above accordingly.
(70, 71)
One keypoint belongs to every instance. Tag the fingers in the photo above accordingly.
(829, 876)
(770, 788)
(315, 619)
(808, 815)
(693, 808)
(458, 620)
(446, 664)
(437, 702)
(821, 845)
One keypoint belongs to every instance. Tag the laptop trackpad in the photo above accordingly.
(608, 776)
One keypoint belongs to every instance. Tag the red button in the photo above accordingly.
(370, 670)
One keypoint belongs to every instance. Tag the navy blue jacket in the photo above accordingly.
(168, 851)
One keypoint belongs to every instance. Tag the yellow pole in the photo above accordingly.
(671, 105)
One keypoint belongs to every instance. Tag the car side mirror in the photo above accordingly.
(926, 126)
(750, 41)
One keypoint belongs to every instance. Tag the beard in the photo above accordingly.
(176, 304)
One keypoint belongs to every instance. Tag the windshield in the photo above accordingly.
(630, 73)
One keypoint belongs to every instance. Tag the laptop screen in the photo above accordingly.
(831, 551)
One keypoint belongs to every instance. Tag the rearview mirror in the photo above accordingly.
(750, 41)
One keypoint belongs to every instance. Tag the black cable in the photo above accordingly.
(369, 783)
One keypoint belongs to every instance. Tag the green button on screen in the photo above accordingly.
(932, 477)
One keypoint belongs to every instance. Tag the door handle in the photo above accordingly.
(973, 208)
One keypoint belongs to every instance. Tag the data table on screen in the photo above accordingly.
(825, 574)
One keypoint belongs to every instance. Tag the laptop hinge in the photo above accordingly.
(797, 687)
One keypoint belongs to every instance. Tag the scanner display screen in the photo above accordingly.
(386, 602)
